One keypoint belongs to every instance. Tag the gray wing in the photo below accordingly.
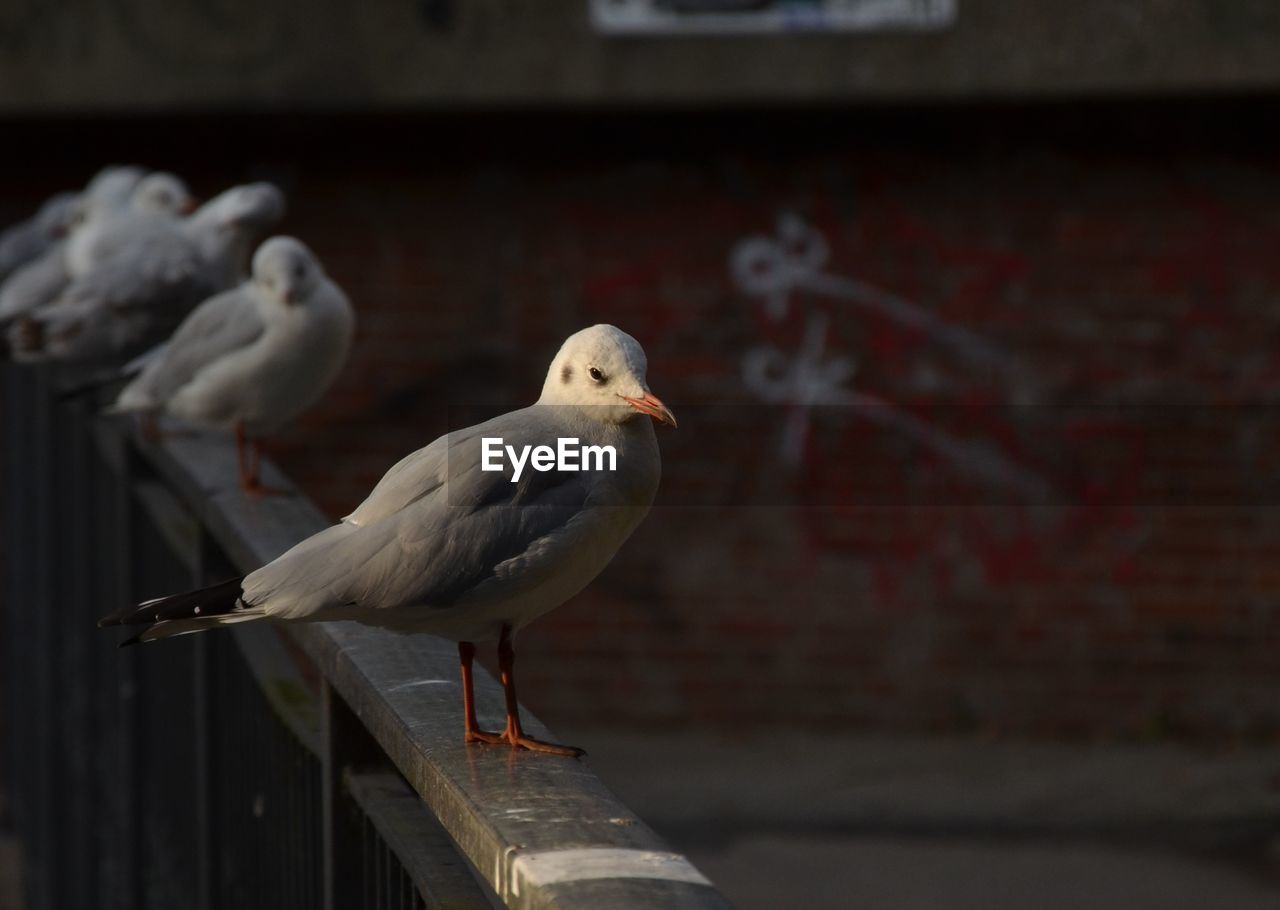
(20, 244)
(135, 236)
(225, 322)
(451, 457)
(27, 241)
(138, 295)
(418, 474)
(35, 284)
(443, 542)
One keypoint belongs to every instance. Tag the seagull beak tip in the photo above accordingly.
(651, 405)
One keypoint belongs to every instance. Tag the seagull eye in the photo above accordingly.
(596, 375)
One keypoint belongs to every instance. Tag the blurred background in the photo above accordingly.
(961, 587)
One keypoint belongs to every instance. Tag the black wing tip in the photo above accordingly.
(134, 639)
(213, 600)
(115, 619)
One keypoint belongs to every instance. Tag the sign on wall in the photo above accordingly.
(728, 17)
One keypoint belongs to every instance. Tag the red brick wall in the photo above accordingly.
(1067, 532)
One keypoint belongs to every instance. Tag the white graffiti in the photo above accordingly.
(773, 269)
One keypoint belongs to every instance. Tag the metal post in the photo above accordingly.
(127, 743)
(73, 628)
(346, 744)
(41, 840)
(210, 566)
(19, 565)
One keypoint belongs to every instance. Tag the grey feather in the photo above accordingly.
(223, 323)
(28, 240)
(34, 284)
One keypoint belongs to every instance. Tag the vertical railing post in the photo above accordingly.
(210, 566)
(41, 841)
(75, 645)
(127, 742)
(19, 658)
(346, 743)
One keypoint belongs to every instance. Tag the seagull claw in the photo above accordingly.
(537, 745)
(520, 741)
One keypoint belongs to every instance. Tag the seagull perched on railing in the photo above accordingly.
(44, 275)
(106, 229)
(448, 546)
(28, 240)
(150, 279)
(252, 358)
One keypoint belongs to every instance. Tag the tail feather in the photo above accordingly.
(172, 628)
(191, 611)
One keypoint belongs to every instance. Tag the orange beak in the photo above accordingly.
(650, 404)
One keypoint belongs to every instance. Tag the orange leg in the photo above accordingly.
(248, 456)
(513, 734)
(471, 731)
(248, 476)
(255, 455)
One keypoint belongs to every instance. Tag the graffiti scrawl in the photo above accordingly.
(772, 270)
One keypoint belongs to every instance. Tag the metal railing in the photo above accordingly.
(313, 766)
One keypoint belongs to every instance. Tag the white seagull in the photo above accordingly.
(107, 228)
(252, 358)
(447, 547)
(150, 279)
(28, 240)
(44, 276)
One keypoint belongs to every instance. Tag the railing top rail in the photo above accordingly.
(543, 830)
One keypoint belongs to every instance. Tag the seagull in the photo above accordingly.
(28, 240)
(447, 546)
(43, 277)
(108, 228)
(150, 279)
(111, 187)
(110, 213)
(252, 358)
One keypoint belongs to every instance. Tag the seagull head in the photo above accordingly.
(161, 193)
(286, 270)
(602, 370)
(252, 205)
(112, 187)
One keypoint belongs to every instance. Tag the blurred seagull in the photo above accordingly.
(106, 229)
(28, 240)
(106, 218)
(149, 279)
(252, 358)
(111, 187)
(448, 546)
(43, 277)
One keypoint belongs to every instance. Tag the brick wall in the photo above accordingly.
(994, 454)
